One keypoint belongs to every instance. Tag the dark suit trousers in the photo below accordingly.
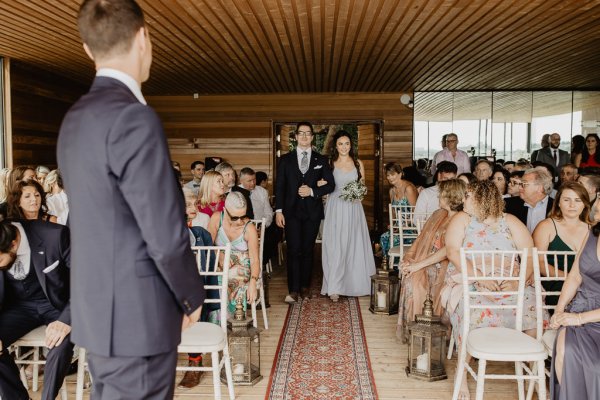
(133, 378)
(16, 321)
(300, 235)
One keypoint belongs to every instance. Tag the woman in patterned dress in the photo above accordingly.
(424, 264)
(484, 226)
(402, 193)
(233, 226)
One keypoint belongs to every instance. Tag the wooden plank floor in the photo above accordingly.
(387, 354)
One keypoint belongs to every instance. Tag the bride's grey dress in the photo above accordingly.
(347, 255)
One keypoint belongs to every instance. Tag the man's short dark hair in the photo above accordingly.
(247, 171)
(108, 27)
(8, 233)
(446, 167)
(508, 163)
(195, 164)
(261, 176)
(305, 123)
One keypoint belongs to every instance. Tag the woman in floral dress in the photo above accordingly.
(484, 226)
(424, 264)
(233, 226)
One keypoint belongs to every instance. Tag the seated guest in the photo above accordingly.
(58, 204)
(591, 183)
(412, 175)
(424, 264)
(4, 173)
(262, 179)
(428, 200)
(34, 277)
(589, 157)
(564, 230)
(212, 189)
(40, 173)
(233, 226)
(575, 373)
(262, 209)
(27, 200)
(194, 217)
(483, 226)
(509, 166)
(534, 203)
(197, 169)
(514, 183)
(402, 193)
(550, 170)
(568, 173)
(522, 165)
(501, 177)
(229, 179)
(20, 173)
(483, 170)
(467, 177)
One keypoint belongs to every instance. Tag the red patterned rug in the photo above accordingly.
(322, 353)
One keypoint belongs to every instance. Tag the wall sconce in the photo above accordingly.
(407, 100)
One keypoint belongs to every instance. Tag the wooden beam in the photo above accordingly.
(7, 158)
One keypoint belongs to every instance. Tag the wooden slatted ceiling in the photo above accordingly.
(291, 46)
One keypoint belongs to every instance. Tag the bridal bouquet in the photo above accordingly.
(354, 190)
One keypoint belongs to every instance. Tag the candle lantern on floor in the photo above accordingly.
(244, 348)
(427, 345)
(385, 291)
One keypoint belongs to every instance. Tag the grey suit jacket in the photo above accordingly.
(133, 273)
(545, 155)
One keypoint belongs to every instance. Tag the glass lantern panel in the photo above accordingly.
(240, 352)
(437, 349)
(420, 354)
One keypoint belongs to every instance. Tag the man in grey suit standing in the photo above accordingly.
(134, 279)
(553, 155)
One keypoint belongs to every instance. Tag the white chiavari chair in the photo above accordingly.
(206, 337)
(546, 270)
(403, 229)
(35, 341)
(260, 229)
(498, 343)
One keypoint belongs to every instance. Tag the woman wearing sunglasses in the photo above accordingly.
(233, 226)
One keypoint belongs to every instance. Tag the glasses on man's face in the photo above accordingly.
(236, 217)
(514, 183)
(304, 134)
(525, 184)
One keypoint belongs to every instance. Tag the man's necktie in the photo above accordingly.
(19, 270)
(555, 158)
(304, 162)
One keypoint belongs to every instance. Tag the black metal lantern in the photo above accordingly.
(427, 345)
(244, 348)
(385, 291)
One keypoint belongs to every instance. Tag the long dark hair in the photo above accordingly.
(14, 199)
(585, 155)
(334, 155)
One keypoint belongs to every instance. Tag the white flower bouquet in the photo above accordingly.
(354, 190)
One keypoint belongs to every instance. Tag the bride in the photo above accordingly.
(347, 255)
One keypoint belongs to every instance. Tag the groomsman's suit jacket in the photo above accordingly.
(50, 258)
(133, 272)
(516, 206)
(289, 179)
(545, 155)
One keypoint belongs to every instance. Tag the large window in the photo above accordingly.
(509, 125)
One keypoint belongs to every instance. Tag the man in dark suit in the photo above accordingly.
(303, 178)
(533, 203)
(553, 155)
(34, 291)
(134, 277)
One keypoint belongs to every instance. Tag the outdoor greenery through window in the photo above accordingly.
(511, 124)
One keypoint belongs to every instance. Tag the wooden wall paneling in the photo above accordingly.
(7, 114)
(39, 100)
(367, 152)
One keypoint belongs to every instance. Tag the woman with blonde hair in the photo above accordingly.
(211, 191)
(57, 201)
(4, 173)
(424, 264)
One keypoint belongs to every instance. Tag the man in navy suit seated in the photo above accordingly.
(34, 291)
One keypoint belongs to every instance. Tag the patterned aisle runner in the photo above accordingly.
(322, 353)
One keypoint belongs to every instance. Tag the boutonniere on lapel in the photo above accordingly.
(318, 167)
